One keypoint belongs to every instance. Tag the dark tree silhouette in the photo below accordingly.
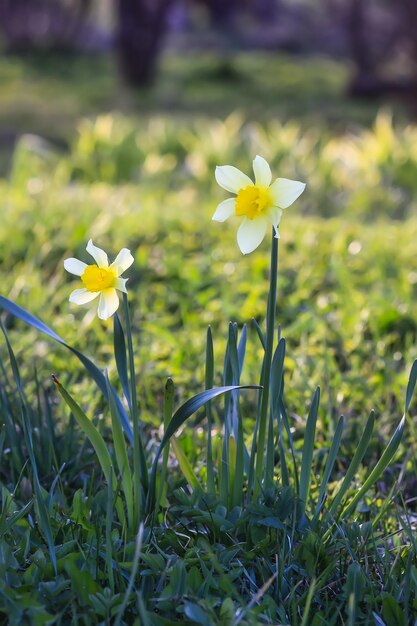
(380, 34)
(141, 26)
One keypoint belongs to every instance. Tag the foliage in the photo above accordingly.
(313, 547)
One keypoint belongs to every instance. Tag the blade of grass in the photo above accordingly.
(94, 436)
(379, 468)
(287, 427)
(354, 464)
(209, 384)
(92, 369)
(308, 448)
(120, 357)
(277, 368)
(169, 394)
(88, 428)
(180, 416)
(140, 469)
(185, 465)
(270, 336)
(109, 522)
(44, 519)
(331, 459)
(121, 456)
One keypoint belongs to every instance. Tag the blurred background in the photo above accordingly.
(113, 115)
(329, 60)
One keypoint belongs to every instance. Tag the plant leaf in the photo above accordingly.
(308, 448)
(180, 416)
(92, 369)
(88, 428)
(120, 356)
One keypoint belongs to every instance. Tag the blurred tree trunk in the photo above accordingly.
(397, 35)
(141, 27)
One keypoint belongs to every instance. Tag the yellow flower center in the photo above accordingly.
(98, 278)
(252, 201)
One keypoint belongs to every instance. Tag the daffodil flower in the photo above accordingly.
(101, 279)
(259, 202)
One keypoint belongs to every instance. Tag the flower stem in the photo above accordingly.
(270, 332)
(135, 416)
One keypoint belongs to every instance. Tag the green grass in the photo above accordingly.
(346, 305)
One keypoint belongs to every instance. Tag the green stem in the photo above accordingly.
(270, 332)
(135, 417)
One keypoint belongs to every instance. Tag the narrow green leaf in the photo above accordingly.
(180, 416)
(109, 543)
(169, 394)
(331, 459)
(287, 427)
(209, 384)
(185, 465)
(92, 369)
(224, 471)
(121, 455)
(88, 428)
(259, 333)
(241, 349)
(379, 468)
(193, 404)
(270, 453)
(354, 464)
(44, 520)
(277, 370)
(120, 356)
(308, 448)
(412, 379)
(15, 517)
(140, 468)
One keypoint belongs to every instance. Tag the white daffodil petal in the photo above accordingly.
(123, 261)
(231, 179)
(120, 284)
(275, 215)
(262, 171)
(108, 304)
(98, 254)
(74, 266)
(224, 210)
(82, 296)
(251, 234)
(284, 192)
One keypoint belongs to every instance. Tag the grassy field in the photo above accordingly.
(347, 288)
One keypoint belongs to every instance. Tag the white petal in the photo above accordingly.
(231, 179)
(275, 215)
(74, 266)
(123, 260)
(262, 172)
(284, 192)
(98, 254)
(224, 210)
(82, 296)
(120, 284)
(251, 234)
(109, 302)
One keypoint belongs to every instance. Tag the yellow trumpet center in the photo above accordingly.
(98, 278)
(252, 201)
